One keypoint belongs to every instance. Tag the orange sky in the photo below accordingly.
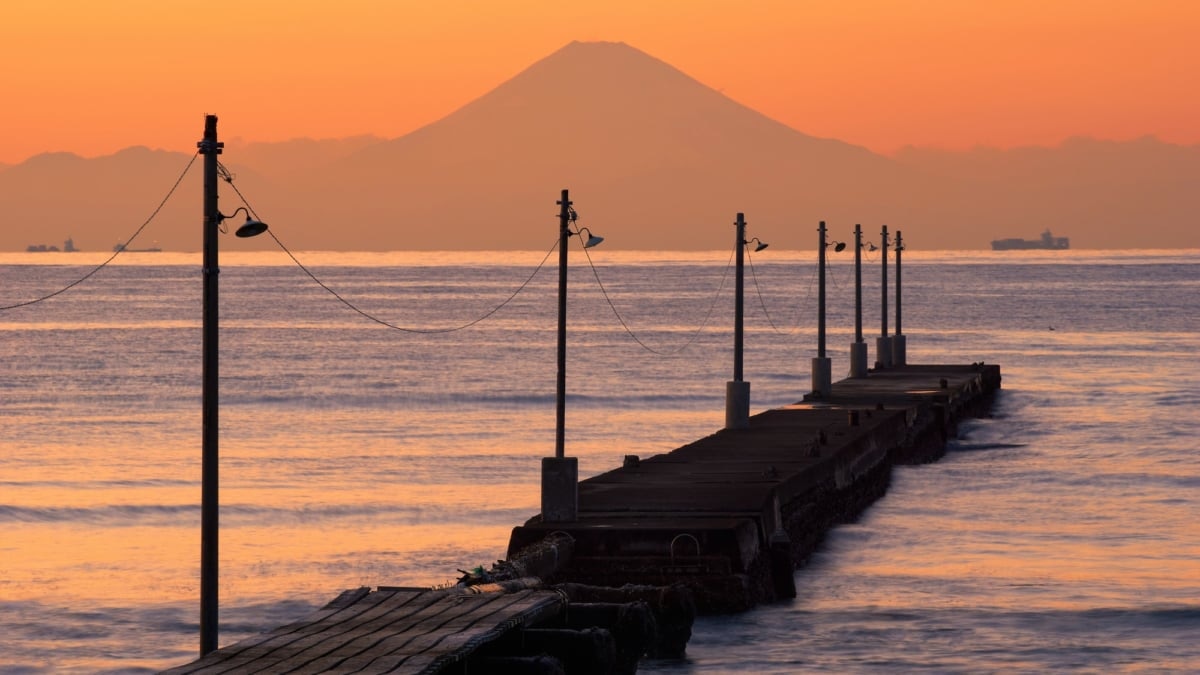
(93, 77)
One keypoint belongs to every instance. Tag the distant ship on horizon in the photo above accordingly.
(68, 247)
(1048, 242)
(121, 248)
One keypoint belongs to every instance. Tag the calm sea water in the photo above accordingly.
(1062, 534)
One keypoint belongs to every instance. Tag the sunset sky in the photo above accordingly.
(94, 77)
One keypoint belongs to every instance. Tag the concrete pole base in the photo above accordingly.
(737, 404)
(822, 377)
(858, 359)
(560, 489)
(899, 349)
(883, 352)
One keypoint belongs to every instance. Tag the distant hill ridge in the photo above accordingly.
(653, 159)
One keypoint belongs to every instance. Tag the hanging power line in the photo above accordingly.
(228, 178)
(694, 336)
(382, 322)
(836, 276)
(119, 249)
(758, 289)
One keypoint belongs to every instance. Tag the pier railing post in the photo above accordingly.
(858, 349)
(560, 474)
(737, 391)
(883, 344)
(899, 342)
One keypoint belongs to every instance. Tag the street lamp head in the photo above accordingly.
(870, 246)
(760, 244)
(838, 246)
(592, 240)
(251, 228)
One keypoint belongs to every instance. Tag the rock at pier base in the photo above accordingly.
(672, 607)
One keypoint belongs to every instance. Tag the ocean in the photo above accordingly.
(391, 434)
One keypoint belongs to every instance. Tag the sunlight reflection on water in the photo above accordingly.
(1060, 534)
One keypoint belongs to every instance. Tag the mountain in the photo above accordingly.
(653, 160)
(98, 202)
(291, 159)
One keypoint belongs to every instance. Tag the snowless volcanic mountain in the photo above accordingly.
(653, 160)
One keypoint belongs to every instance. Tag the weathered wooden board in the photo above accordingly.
(385, 631)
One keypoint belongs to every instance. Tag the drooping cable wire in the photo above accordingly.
(758, 289)
(228, 178)
(835, 274)
(119, 249)
(763, 304)
(393, 326)
(694, 336)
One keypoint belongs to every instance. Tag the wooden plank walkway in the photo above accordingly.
(710, 512)
(384, 631)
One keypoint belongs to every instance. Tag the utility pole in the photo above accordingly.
(899, 346)
(822, 367)
(883, 345)
(737, 391)
(209, 504)
(560, 474)
(858, 350)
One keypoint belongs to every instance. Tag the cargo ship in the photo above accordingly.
(121, 248)
(1048, 242)
(68, 247)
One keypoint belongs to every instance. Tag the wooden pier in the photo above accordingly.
(717, 525)
(383, 631)
(731, 515)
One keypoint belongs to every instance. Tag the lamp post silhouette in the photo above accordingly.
(209, 496)
(858, 349)
(822, 366)
(883, 344)
(560, 474)
(899, 346)
(737, 391)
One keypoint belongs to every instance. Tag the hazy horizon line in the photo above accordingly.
(238, 141)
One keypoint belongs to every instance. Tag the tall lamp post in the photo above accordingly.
(737, 391)
(560, 474)
(858, 350)
(822, 366)
(899, 346)
(210, 148)
(209, 502)
(883, 344)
